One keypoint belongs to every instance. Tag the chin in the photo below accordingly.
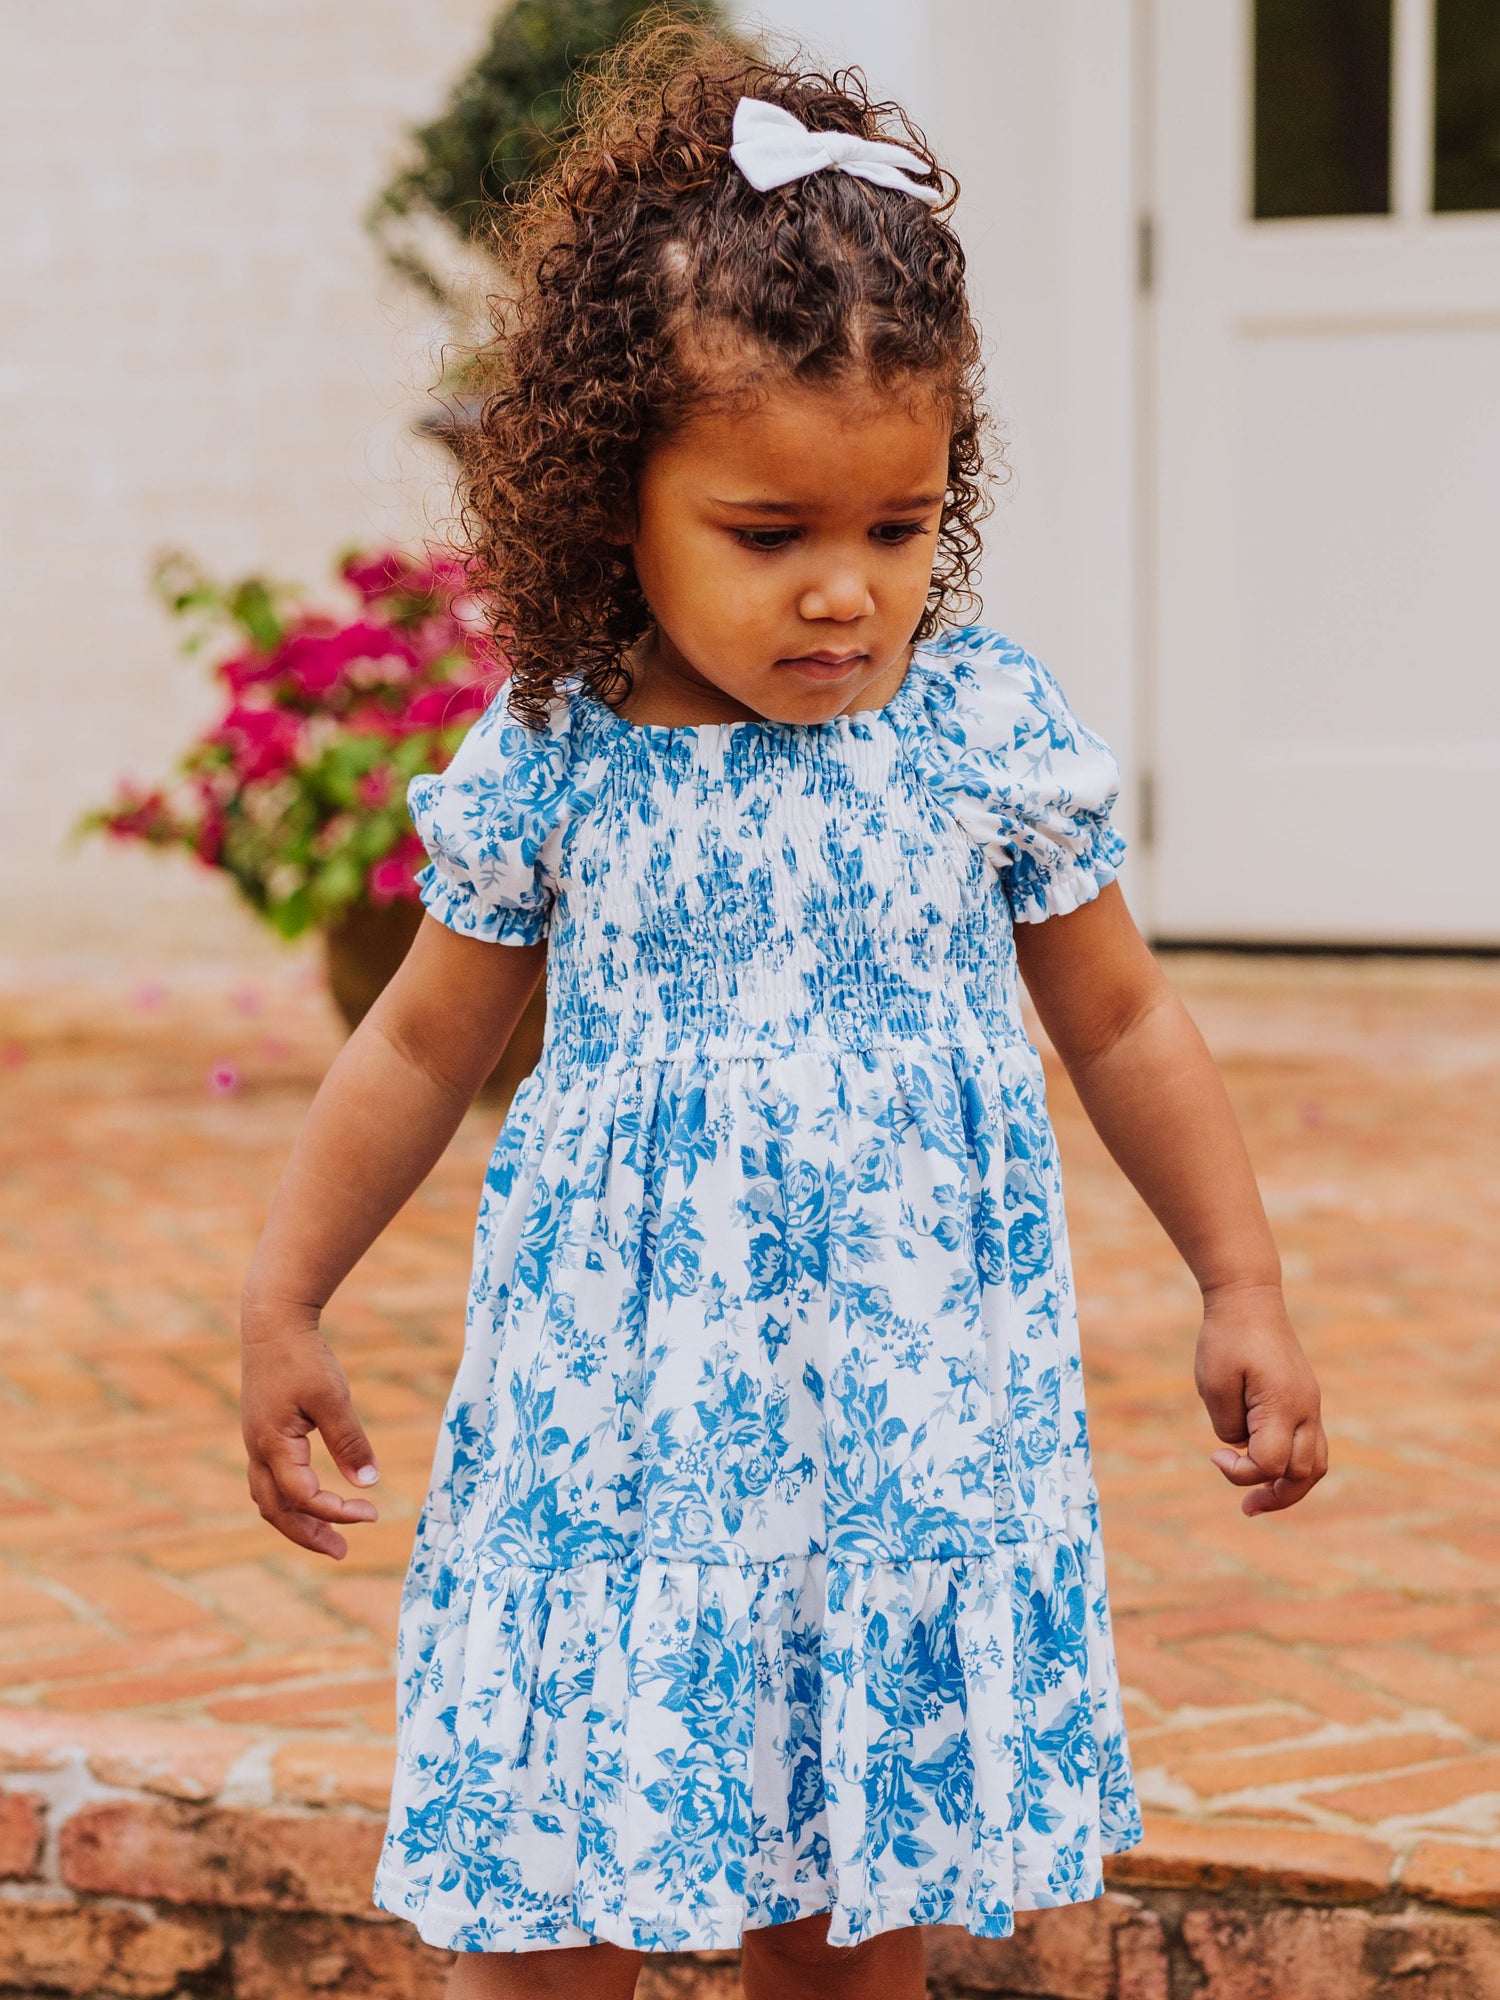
(797, 698)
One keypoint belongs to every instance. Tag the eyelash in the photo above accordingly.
(891, 536)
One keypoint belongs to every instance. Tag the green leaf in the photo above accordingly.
(340, 882)
(253, 605)
(505, 120)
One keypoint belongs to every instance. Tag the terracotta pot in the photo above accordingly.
(362, 952)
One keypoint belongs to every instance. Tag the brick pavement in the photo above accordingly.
(1314, 1701)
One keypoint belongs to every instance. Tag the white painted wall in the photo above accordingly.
(200, 348)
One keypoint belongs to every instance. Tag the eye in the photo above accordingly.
(891, 534)
(765, 541)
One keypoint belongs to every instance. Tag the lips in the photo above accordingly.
(823, 663)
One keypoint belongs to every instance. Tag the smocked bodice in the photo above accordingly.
(750, 888)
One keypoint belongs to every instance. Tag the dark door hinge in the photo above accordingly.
(1145, 255)
(1146, 809)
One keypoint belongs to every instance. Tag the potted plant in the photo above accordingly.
(297, 790)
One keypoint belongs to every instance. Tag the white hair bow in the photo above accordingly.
(772, 147)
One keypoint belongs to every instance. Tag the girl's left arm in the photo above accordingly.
(1154, 1096)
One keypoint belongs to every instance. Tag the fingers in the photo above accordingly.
(1280, 1469)
(283, 1480)
(303, 1529)
(1225, 1404)
(343, 1433)
(349, 1448)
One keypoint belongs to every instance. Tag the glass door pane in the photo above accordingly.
(1322, 107)
(1466, 138)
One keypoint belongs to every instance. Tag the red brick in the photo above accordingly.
(208, 1548)
(371, 1601)
(1168, 1746)
(126, 1656)
(1282, 1954)
(41, 1644)
(1288, 1861)
(689, 1978)
(1269, 1669)
(25, 1605)
(222, 1855)
(145, 1756)
(1416, 1792)
(130, 1597)
(1390, 1751)
(64, 1947)
(156, 1690)
(1359, 1618)
(329, 1958)
(1143, 1968)
(1170, 1680)
(1429, 1679)
(1066, 1954)
(311, 1707)
(22, 1830)
(335, 1774)
(266, 1605)
(1445, 1871)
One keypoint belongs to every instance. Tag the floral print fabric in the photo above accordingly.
(761, 1572)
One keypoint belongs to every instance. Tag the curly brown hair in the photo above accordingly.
(642, 255)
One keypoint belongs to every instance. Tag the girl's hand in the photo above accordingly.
(292, 1385)
(1261, 1397)
(387, 1108)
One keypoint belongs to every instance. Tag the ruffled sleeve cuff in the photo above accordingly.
(459, 906)
(1041, 889)
(492, 824)
(1028, 783)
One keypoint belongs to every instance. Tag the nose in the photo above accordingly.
(839, 598)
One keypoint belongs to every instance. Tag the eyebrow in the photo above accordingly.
(911, 504)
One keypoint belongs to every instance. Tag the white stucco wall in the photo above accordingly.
(200, 349)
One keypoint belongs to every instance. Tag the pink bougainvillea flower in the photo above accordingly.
(252, 669)
(443, 706)
(261, 741)
(138, 815)
(372, 718)
(208, 837)
(380, 574)
(393, 879)
(374, 788)
(316, 663)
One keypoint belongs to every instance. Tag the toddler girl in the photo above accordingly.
(759, 1596)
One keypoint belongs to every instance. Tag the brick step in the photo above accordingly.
(146, 1860)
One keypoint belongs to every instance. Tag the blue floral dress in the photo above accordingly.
(761, 1572)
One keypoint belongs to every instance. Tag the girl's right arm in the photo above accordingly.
(379, 1124)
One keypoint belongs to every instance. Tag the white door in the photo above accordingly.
(1327, 470)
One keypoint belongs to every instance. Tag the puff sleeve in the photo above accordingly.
(1029, 784)
(493, 824)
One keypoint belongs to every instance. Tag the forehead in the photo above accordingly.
(811, 443)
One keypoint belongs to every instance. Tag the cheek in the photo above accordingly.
(700, 580)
